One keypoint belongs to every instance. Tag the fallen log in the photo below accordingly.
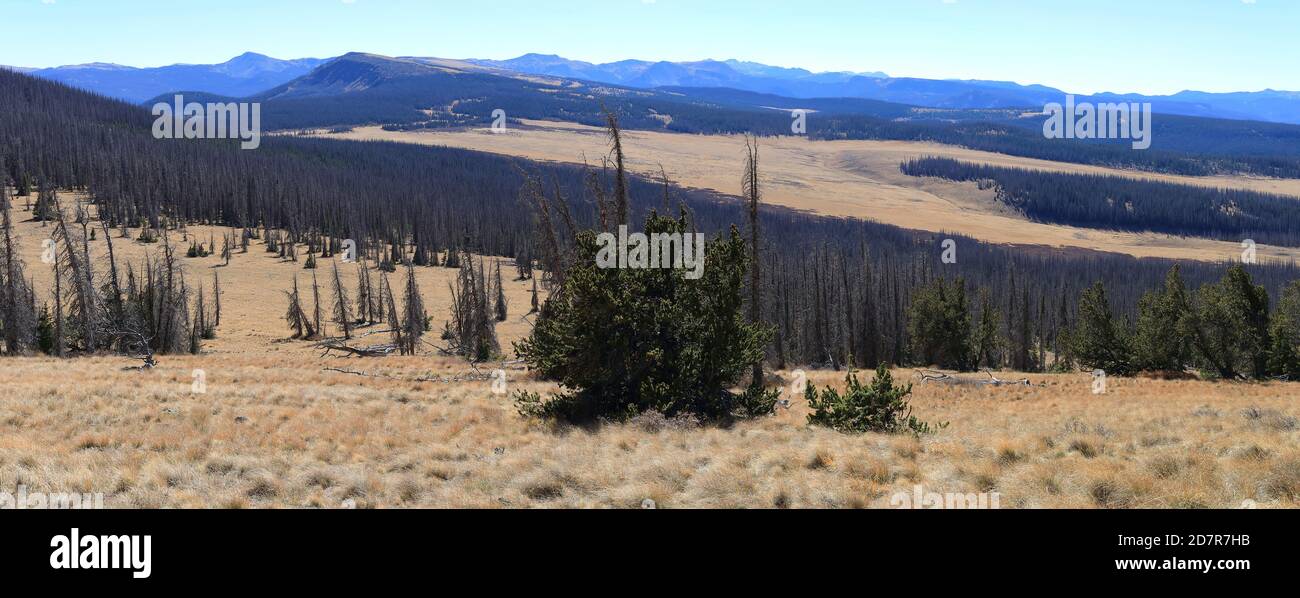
(945, 378)
(371, 351)
(474, 377)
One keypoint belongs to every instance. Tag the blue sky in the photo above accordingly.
(1151, 46)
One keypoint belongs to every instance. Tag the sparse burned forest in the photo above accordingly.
(835, 292)
(351, 286)
(326, 305)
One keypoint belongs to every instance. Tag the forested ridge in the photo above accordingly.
(402, 94)
(831, 289)
(1123, 203)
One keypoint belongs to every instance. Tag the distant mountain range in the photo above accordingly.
(404, 94)
(747, 76)
(252, 74)
(243, 75)
(1269, 105)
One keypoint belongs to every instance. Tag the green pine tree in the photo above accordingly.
(45, 331)
(1097, 342)
(1284, 355)
(986, 339)
(1163, 340)
(939, 325)
(879, 407)
(622, 341)
(1230, 324)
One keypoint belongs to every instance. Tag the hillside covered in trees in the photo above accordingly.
(365, 89)
(1120, 203)
(833, 290)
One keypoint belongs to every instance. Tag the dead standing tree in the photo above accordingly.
(166, 297)
(155, 314)
(342, 306)
(413, 319)
(60, 347)
(84, 300)
(296, 316)
(472, 331)
(116, 307)
(557, 250)
(18, 317)
(216, 299)
(388, 307)
(752, 197)
(555, 254)
(367, 307)
(535, 306)
(500, 304)
(316, 315)
(620, 173)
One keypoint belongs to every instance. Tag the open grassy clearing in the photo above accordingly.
(276, 429)
(849, 178)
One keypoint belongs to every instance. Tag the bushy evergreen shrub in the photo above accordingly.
(878, 407)
(623, 341)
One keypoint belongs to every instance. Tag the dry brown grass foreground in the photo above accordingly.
(278, 432)
(275, 429)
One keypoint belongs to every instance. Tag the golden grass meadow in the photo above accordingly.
(276, 428)
(853, 179)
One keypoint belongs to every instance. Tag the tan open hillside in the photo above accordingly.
(253, 286)
(857, 179)
(277, 427)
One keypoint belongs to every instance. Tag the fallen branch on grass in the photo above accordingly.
(474, 377)
(371, 351)
(944, 378)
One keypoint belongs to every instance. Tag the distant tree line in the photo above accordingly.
(1120, 203)
(1181, 145)
(859, 294)
(1224, 329)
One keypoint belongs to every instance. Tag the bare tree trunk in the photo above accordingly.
(116, 299)
(216, 299)
(753, 195)
(536, 307)
(19, 319)
(394, 316)
(315, 296)
(848, 312)
(342, 309)
(597, 189)
(364, 295)
(620, 173)
(500, 296)
(295, 316)
(58, 309)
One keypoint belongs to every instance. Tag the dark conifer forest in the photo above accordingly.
(834, 291)
(1119, 203)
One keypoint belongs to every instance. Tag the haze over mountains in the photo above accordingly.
(251, 74)
(749, 76)
(1275, 106)
(244, 75)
